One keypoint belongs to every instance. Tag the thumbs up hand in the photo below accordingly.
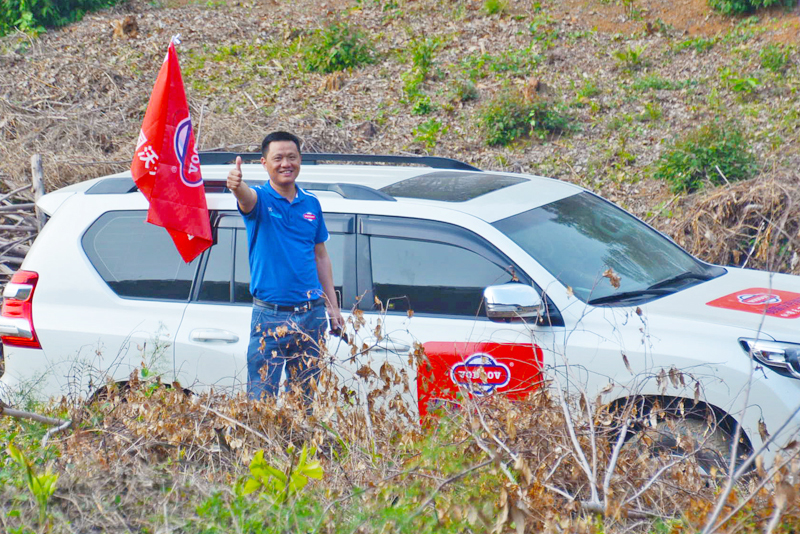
(234, 180)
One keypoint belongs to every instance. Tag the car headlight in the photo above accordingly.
(781, 357)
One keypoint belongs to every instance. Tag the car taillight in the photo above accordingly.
(16, 327)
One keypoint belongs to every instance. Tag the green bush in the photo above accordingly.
(509, 117)
(338, 46)
(735, 7)
(704, 156)
(36, 15)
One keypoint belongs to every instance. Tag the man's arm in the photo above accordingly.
(245, 196)
(325, 273)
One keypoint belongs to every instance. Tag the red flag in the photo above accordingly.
(166, 167)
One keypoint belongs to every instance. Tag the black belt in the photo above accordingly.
(301, 307)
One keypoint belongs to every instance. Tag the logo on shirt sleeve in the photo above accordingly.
(309, 216)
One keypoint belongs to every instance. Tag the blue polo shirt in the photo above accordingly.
(281, 237)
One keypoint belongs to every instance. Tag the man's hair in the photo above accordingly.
(278, 136)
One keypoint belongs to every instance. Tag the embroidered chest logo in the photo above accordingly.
(274, 213)
(309, 216)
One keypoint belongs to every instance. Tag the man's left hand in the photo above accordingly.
(336, 319)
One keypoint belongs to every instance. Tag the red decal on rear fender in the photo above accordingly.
(782, 304)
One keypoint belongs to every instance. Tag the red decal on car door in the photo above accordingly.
(477, 369)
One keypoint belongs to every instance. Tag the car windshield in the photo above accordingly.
(578, 238)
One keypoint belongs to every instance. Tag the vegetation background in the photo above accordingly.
(684, 114)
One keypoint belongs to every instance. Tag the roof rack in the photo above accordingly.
(122, 185)
(222, 158)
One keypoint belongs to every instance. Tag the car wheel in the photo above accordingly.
(683, 436)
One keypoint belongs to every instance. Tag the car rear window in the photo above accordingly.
(137, 259)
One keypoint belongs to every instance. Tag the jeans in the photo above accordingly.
(284, 338)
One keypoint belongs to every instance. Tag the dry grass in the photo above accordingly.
(155, 459)
(754, 224)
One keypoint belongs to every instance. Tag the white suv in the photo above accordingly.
(504, 279)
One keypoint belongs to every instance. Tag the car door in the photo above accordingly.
(422, 284)
(211, 346)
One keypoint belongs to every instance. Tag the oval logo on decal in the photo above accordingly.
(757, 299)
(481, 374)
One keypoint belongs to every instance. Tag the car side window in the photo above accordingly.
(136, 259)
(431, 277)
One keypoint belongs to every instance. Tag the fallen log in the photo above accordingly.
(18, 207)
(14, 228)
(60, 424)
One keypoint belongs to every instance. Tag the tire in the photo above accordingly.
(686, 436)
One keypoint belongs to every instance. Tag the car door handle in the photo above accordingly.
(207, 335)
(392, 345)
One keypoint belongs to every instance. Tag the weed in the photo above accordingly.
(737, 7)
(588, 90)
(338, 46)
(632, 58)
(412, 82)
(517, 62)
(509, 117)
(41, 486)
(494, 7)
(698, 44)
(543, 30)
(428, 132)
(705, 156)
(463, 90)
(423, 52)
(505, 119)
(651, 113)
(280, 485)
(574, 36)
(659, 26)
(660, 84)
(744, 31)
(739, 83)
(776, 58)
(422, 105)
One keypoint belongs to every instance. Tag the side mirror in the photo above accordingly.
(512, 301)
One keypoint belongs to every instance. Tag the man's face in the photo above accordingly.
(282, 162)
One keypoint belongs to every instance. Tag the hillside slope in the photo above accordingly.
(627, 77)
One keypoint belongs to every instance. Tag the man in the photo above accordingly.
(291, 276)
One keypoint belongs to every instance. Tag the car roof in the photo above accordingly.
(487, 195)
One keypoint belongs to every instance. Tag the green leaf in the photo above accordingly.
(251, 486)
(312, 469)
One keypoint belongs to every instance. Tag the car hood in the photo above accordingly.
(747, 299)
